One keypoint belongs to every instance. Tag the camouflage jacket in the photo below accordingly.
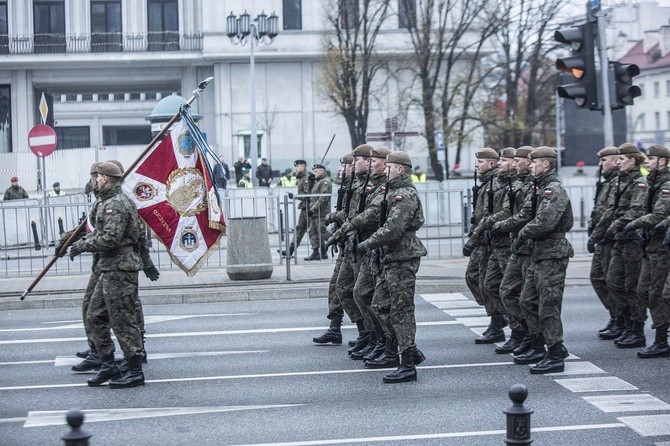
(117, 232)
(405, 216)
(15, 193)
(320, 206)
(367, 222)
(523, 212)
(552, 220)
(607, 189)
(487, 188)
(304, 187)
(501, 210)
(629, 204)
(657, 210)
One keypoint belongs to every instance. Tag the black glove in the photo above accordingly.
(376, 256)
(609, 234)
(360, 248)
(57, 247)
(591, 245)
(641, 237)
(74, 251)
(152, 273)
(666, 239)
(628, 228)
(663, 225)
(518, 243)
(331, 241)
(467, 249)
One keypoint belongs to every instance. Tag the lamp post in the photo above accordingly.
(241, 30)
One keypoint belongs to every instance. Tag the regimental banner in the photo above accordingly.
(174, 193)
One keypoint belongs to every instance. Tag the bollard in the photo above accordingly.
(582, 215)
(281, 225)
(36, 238)
(83, 217)
(518, 417)
(76, 436)
(61, 228)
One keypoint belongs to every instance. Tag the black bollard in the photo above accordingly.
(76, 436)
(36, 238)
(61, 229)
(518, 417)
(83, 217)
(281, 225)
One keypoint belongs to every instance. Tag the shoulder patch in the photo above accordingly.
(398, 197)
(548, 192)
(108, 212)
(642, 185)
(665, 192)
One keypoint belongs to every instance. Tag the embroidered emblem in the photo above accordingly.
(185, 144)
(642, 185)
(548, 193)
(665, 192)
(144, 191)
(185, 191)
(398, 197)
(108, 212)
(188, 239)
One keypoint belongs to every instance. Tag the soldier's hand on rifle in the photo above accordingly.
(518, 243)
(663, 225)
(641, 237)
(74, 251)
(332, 240)
(628, 228)
(361, 248)
(376, 256)
(468, 248)
(152, 273)
(666, 239)
(610, 233)
(496, 228)
(591, 245)
(57, 247)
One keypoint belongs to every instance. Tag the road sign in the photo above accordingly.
(42, 140)
(44, 108)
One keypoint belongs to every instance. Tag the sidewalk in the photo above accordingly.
(308, 280)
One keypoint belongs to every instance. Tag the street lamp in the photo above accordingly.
(240, 30)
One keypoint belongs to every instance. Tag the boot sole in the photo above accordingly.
(543, 371)
(648, 356)
(103, 382)
(126, 386)
(91, 369)
(396, 381)
(327, 342)
(635, 345)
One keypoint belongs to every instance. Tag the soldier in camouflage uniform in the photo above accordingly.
(115, 239)
(655, 263)
(517, 265)
(605, 192)
(15, 192)
(623, 272)
(400, 258)
(319, 207)
(479, 248)
(542, 294)
(305, 183)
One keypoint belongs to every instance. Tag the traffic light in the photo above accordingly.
(624, 89)
(581, 64)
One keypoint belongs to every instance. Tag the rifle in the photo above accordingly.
(489, 208)
(341, 191)
(644, 239)
(599, 187)
(362, 197)
(510, 198)
(533, 199)
(383, 211)
(475, 195)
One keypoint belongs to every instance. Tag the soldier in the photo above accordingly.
(542, 294)
(605, 192)
(116, 235)
(15, 192)
(319, 207)
(401, 252)
(305, 183)
(479, 248)
(655, 263)
(515, 272)
(623, 271)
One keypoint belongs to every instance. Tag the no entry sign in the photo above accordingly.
(42, 140)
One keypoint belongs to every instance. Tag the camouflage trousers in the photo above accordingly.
(92, 282)
(300, 228)
(114, 306)
(623, 273)
(511, 287)
(475, 274)
(364, 289)
(598, 276)
(344, 286)
(393, 301)
(318, 232)
(650, 287)
(495, 271)
(542, 298)
(334, 305)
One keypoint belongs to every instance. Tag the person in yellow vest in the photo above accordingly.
(418, 176)
(56, 191)
(245, 182)
(288, 180)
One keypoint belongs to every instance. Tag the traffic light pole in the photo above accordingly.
(608, 129)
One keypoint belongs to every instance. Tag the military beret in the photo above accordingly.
(628, 148)
(542, 152)
(118, 163)
(94, 168)
(14, 179)
(507, 152)
(56, 184)
(318, 166)
(607, 151)
(487, 153)
(523, 151)
(347, 159)
(381, 152)
(658, 150)
(299, 162)
(364, 150)
(399, 158)
(109, 169)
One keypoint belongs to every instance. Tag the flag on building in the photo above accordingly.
(174, 193)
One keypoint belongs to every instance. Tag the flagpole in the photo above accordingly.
(63, 249)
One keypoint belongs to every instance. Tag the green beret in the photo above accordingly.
(299, 162)
(94, 168)
(347, 159)
(658, 150)
(507, 152)
(318, 166)
(487, 153)
(381, 152)
(628, 148)
(364, 151)
(118, 163)
(109, 169)
(523, 151)
(399, 158)
(607, 151)
(543, 152)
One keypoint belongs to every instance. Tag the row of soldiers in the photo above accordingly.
(630, 242)
(518, 253)
(374, 233)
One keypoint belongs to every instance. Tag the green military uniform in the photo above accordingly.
(15, 193)
(304, 188)
(319, 207)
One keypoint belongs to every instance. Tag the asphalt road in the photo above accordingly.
(247, 373)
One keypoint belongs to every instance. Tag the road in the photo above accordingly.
(247, 373)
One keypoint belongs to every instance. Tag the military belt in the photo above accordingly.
(116, 252)
(554, 236)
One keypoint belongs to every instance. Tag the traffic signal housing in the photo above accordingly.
(624, 89)
(580, 64)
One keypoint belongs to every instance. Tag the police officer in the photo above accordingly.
(116, 235)
(319, 207)
(401, 255)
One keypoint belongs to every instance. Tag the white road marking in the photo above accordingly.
(61, 361)
(456, 304)
(603, 384)
(44, 361)
(648, 425)
(474, 321)
(627, 403)
(578, 368)
(478, 311)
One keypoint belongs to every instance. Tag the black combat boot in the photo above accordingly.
(290, 251)
(108, 370)
(525, 345)
(367, 349)
(616, 330)
(380, 346)
(387, 359)
(635, 338)
(495, 332)
(515, 340)
(660, 346)
(83, 354)
(333, 335)
(92, 362)
(133, 377)
(324, 252)
(627, 329)
(552, 361)
(315, 256)
(144, 350)
(610, 323)
(362, 340)
(534, 354)
(406, 372)
(419, 357)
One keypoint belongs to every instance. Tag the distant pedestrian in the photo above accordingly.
(264, 173)
(288, 180)
(239, 166)
(245, 182)
(418, 176)
(15, 192)
(56, 191)
(221, 174)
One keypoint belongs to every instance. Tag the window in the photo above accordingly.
(5, 119)
(657, 89)
(73, 137)
(247, 146)
(349, 13)
(4, 29)
(106, 26)
(126, 135)
(667, 116)
(292, 14)
(406, 13)
(641, 119)
(163, 25)
(667, 88)
(657, 121)
(49, 24)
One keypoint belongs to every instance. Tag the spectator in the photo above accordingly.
(264, 173)
(221, 174)
(245, 182)
(15, 192)
(418, 176)
(288, 180)
(56, 191)
(239, 166)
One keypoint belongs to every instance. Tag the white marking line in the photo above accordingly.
(443, 297)
(212, 333)
(648, 425)
(627, 403)
(466, 312)
(578, 368)
(456, 304)
(57, 417)
(45, 361)
(69, 360)
(578, 427)
(603, 384)
(474, 321)
(267, 375)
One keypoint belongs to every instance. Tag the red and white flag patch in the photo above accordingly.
(398, 197)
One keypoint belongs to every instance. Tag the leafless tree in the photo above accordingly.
(268, 122)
